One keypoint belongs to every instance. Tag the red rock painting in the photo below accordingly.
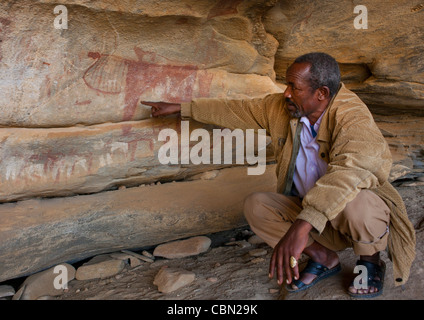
(66, 162)
(107, 75)
(173, 81)
(4, 26)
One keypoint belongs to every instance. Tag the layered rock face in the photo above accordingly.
(72, 123)
(112, 55)
(70, 103)
(379, 48)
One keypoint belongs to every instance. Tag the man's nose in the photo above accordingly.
(287, 92)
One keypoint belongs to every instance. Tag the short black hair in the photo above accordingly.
(324, 71)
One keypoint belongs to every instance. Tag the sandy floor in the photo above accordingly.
(230, 272)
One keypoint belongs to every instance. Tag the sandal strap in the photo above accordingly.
(314, 268)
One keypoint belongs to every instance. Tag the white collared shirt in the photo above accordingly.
(309, 166)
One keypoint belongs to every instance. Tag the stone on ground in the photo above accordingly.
(183, 248)
(6, 291)
(99, 267)
(51, 282)
(170, 279)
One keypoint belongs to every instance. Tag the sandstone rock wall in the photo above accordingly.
(72, 124)
(38, 233)
(70, 107)
(71, 121)
(112, 56)
(384, 63)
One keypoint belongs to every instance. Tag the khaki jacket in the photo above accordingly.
(350, 142)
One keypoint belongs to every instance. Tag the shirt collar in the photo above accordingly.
(305, 120)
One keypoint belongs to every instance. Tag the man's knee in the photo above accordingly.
(367, 207)
(367, 215)
(253, 204)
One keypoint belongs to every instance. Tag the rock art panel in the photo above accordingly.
(111, 56)
(68, 161)
(141, 79)
(69, 96)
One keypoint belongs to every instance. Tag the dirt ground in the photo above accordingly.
(231, 272)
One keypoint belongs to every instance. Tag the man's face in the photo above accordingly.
(301, 100)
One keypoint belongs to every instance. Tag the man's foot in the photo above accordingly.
(375, 280)
(320, 255)
(313, 268)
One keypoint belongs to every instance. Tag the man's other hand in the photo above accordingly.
(291, 244)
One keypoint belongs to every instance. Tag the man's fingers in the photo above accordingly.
(292, 272)
(156, 107)
(156, 112)
(272, 265)
(276, 264)
(151, 104)
(281, 263)
(163, 108)
(280, 269)
(296, 271)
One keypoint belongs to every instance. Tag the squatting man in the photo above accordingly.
(332, 178)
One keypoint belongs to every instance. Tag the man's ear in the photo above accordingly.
(323, 93)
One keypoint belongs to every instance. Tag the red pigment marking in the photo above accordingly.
(223, 8)
(4, 24)
(94, 55)
(106, 74)
(132, 138)
(175, 81)
(48, 86)
(300, 22)
(49, 159)
(126, 129)
(77, 103)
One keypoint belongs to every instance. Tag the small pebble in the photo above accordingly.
(257, 260)
(258, 252)
(148, 254)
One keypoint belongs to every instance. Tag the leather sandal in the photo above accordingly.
(375, 278)
(317, 269)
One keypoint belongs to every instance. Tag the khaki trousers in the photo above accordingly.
(363, 224)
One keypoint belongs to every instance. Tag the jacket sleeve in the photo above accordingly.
(359, 158)
(243, 114)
